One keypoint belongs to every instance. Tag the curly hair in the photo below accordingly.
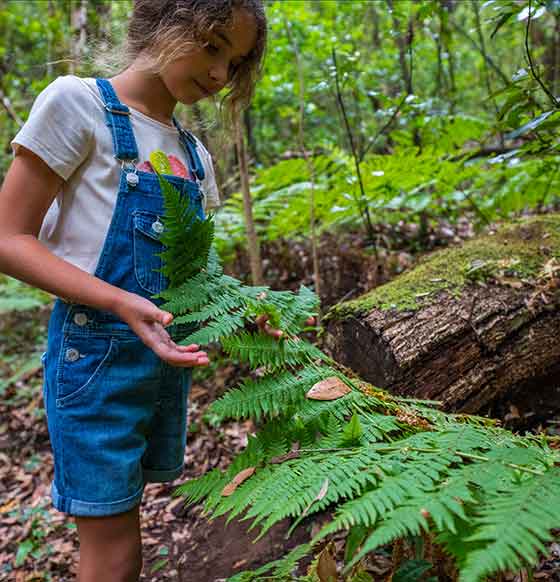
(165, 29)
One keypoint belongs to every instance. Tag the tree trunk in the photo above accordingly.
(403, 45)
(252, 240)
(468, 345)
(308, 160)
(79, 19)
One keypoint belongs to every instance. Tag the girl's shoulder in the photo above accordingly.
(61, 125)
(72, 92)
(67, 87)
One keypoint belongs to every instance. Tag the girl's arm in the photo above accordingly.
(29, 189)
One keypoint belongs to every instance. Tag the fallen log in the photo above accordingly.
(467, 326)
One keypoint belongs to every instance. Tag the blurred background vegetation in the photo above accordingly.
(412, 110)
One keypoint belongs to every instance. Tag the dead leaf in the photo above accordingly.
(329, 389)
(326, 565)
(293, 454)
(9, 506)
(237, 480)
(320, 495)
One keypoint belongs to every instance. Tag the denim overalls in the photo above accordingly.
(116, 412)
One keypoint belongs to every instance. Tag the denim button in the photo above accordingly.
(72, 354)
(80, 319)
(157, 226)
(132, 179)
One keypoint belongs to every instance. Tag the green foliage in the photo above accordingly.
(17, 296)
(187, 240)
(387, 468)
(412, 571)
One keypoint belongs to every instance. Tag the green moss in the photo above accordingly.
(518, 250)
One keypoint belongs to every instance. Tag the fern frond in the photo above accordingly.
(294, 485)
(227, 325)
(511, 543)
(263, 350)
(218, 306)
(196, 490)
(402, 523)
(389, 465)
(191, 295)
(269, 395)
(187, 238)
(277, 571)
(397, 479)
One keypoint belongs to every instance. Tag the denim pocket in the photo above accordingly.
(147, 264)
(84, 360)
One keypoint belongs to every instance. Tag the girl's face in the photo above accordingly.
(206, 70)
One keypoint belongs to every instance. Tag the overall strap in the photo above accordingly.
(190, 146)
(118, 120)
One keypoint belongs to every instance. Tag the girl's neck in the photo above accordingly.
(146, 93)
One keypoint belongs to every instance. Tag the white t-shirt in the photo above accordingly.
(67, 129)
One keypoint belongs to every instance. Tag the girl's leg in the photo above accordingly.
(110, 547)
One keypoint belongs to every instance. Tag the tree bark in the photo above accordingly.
(465, 350)
(252, 240)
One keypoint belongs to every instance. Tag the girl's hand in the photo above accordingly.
(262, 322)
(149, 323)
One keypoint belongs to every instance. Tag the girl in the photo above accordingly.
(80, 215)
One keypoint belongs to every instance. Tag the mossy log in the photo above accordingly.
(468, 326)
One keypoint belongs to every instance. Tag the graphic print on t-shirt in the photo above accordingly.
(162, 163)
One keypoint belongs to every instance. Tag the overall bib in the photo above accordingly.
(116, 412)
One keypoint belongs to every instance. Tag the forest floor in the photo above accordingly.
(39, 544)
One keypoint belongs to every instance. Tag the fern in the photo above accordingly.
(510, 543)
(187, 240)
(389, 466)
(269, 395)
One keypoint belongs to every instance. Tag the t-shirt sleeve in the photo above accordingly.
(60, 127)
(209, 185)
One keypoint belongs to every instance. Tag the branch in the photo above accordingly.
(308, 160)
(487, 57)
(362, 208)
(383, 129)
(7, 104)
(534, 73)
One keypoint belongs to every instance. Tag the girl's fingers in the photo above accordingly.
(183, 359)
(273, 332)
(261, 320)
(164, 317)
(189, 348)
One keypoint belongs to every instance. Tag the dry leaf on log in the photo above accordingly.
(328, 389)
(237, 480)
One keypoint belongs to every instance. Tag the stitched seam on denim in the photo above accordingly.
(60, 441)
(62, 401)
(104, 331)
(137, 256)
(124, 141)
(72, 503)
